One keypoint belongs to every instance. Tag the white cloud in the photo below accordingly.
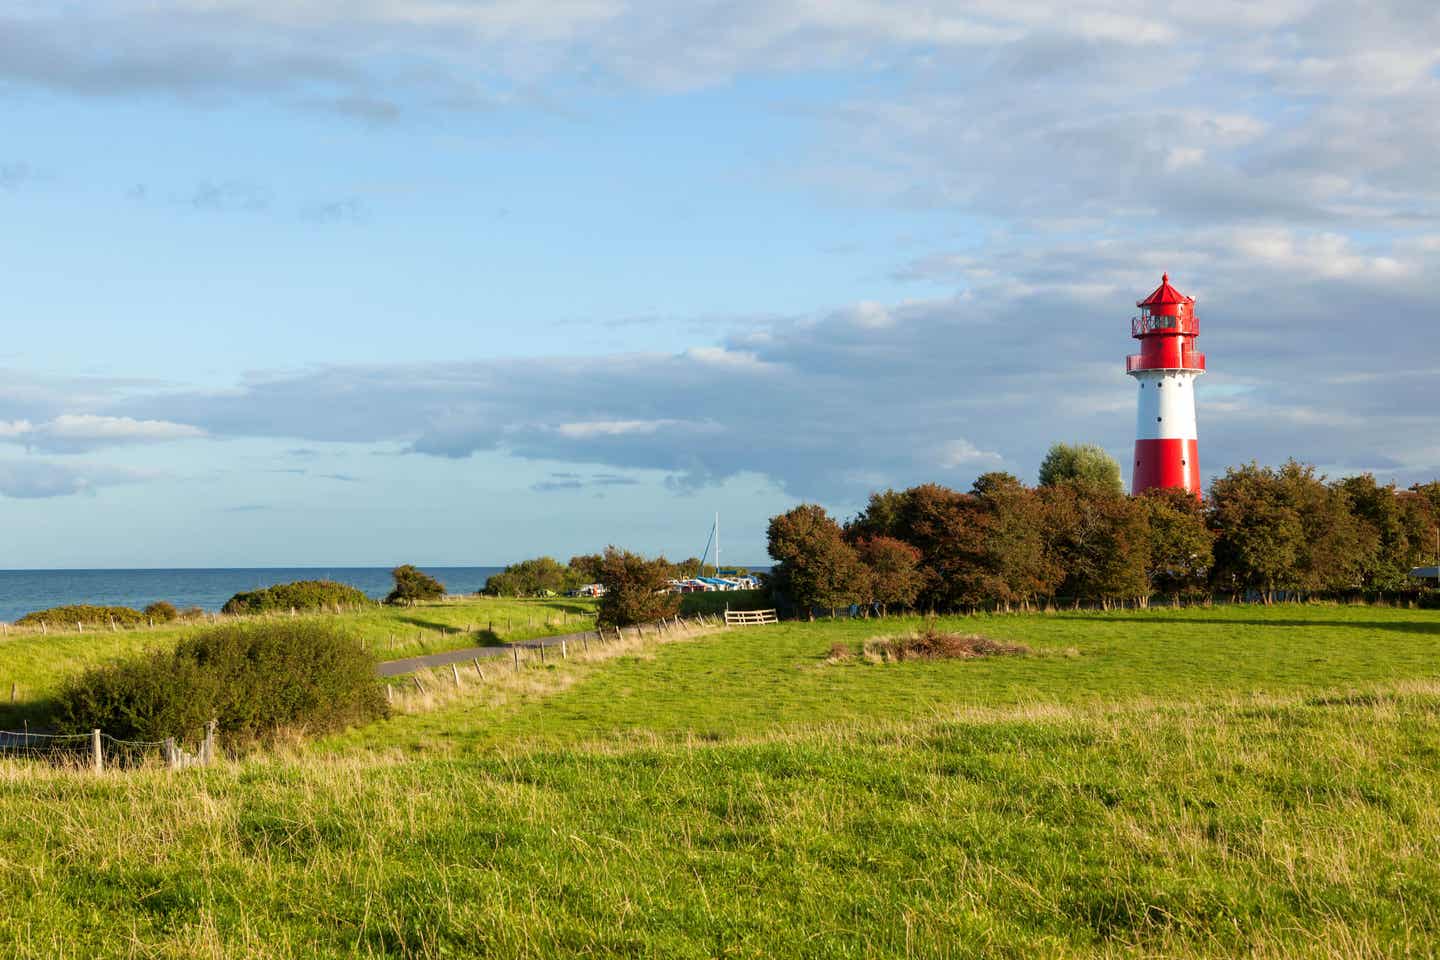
(40, 479)
(723, 358)
(869, 315)
(963, 453)
(77, 433)
(585, 430)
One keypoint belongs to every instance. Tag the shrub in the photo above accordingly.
(162, 611)
(635, 589)
(300, 595)
(412, 584)
(254, 678)
(932, 644)
(83, 613)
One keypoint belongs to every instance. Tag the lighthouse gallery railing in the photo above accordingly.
(1188, 361)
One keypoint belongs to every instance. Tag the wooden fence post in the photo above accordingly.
(95, 754)
(172, 758)
(564, 654)
(14, 690)
(541, 648)
(515, 652)
(207, 749)
(584, 643)
(455, 672)
(419, 686)
(389, 693)
(477, 668)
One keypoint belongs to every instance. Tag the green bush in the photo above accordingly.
(254, 678)
(83, 613)
(300, 595)
(413, 584)
(162, 611)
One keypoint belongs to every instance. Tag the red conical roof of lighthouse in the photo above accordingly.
(1164, 295)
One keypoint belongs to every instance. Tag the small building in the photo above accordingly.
(1428, 574)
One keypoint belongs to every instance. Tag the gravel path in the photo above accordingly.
(395, 668)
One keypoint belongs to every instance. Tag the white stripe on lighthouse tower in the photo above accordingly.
(1166, 410)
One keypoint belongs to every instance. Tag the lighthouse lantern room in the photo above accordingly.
(1167, 452)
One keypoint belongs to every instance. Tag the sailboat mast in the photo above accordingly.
(717, 544)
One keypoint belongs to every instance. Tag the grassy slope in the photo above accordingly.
(35, 662)
(1222, 782)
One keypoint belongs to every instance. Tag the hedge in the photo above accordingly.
(85, 613)
(300, 595)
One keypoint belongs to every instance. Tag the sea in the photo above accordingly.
(22, 591)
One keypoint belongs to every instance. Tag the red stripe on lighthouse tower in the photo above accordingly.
(1167, 450)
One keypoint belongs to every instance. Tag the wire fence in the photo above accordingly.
(54, 748)
(100, 751)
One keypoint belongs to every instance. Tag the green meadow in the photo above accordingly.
(34, 662)
(1236, 781)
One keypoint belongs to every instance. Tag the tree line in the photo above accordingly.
(546, 576)
(1076, 537)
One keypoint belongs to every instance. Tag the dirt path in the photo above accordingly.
(395, 668)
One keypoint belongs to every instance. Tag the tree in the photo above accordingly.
(1258, 532)
(894, 568)
(940, 523)
(883, 516)
(1420, 508)
(1336, 548)
(1083, 463)
(583, 570)
(412, 584)
(1098, 539)
(1013, 546)
(1181, 545)
(635, 589)
(529, 578)
(685, 569)
(817, 568)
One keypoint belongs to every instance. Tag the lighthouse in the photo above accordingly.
(1167, 449)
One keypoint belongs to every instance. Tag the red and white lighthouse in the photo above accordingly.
(1167, 449)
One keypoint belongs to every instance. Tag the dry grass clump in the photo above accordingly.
(935, 644)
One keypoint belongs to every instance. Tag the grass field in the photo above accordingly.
(1234, 782)
(35, 662)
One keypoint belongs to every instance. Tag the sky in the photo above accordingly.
(448, 282)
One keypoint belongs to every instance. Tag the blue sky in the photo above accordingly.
(453, 282)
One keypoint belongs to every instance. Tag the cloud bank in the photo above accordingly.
(1028, 353)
